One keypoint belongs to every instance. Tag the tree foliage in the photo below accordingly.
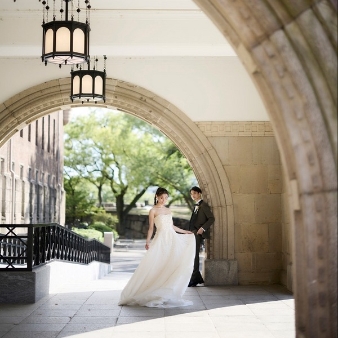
(78, 202)
(116, 150)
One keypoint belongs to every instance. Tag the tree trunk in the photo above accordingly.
(120, 214)
(99, 195)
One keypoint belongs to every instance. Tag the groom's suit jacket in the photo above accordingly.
(202, 217)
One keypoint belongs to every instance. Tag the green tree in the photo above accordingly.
(176, 174)
(78, 202)
(125, 153)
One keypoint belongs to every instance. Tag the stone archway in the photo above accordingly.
(40, 100)
(289, 48)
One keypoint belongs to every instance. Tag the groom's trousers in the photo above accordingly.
(196, 275)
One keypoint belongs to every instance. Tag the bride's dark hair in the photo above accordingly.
(159, 192)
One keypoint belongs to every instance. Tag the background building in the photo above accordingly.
(31, 173)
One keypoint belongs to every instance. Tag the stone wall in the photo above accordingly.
(251, 160)
(254, 171)
(137, 226)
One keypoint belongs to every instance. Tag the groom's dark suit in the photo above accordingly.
(202, 217)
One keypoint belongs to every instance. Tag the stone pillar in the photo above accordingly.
(108, 240)
(24, 286)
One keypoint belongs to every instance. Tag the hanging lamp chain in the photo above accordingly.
(61, 10)
(104, 62)
(88, 7)
(45, 11)
(72, 10)
(78, 10)
(95, 63)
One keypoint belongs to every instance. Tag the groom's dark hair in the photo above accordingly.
(197, 189)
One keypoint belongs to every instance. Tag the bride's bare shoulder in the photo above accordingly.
(153, 212)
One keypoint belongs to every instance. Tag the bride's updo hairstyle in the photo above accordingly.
(159, 192)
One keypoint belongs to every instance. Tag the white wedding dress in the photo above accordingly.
(164, 272)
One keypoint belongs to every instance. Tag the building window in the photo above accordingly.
(3, 192)
(36, 132)
(43, 197)
(14, 192)
(22, 192)
(54, 137)
(54, 204)
(48, 131)
(2, 166)
(21, 133)
(21, 172)
(29, 132)
(30, 194)
(37, 196)
(22, 199)
(43, 134)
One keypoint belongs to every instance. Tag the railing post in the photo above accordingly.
(30, 247)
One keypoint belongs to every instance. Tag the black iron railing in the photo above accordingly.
(25, 247)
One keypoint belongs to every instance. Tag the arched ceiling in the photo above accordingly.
(168, 47)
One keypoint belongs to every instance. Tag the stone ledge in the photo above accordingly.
(220, 272)
(30, 286)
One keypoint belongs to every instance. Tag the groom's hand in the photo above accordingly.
(200, 231)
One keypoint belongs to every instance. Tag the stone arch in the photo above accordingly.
(289, 49)
(42, 99)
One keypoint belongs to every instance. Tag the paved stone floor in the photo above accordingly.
(90, 310)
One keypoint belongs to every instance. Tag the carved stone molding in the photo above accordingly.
(236, 128)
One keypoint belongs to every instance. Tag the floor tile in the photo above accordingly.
(284, 334)
(33, 319)
(127, 311)
(54, 313)
(38, 327)
(11, 320)
(32, 334)
(93, 320)
(6, 327)
(247, 334)
(213, 334)
(86, 327)
(130, 320)
(98, 313)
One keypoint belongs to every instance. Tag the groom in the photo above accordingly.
(201, 220)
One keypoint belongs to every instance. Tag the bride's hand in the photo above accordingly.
(188, 232)
(147, 246)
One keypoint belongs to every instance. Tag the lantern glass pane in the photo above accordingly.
(49, 41)
(76, 85)
(63, 40)
(78, 41)
(98, 85)
(87, 84)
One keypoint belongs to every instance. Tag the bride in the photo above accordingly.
(164, 272)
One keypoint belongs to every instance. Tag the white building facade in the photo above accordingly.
(31, 173)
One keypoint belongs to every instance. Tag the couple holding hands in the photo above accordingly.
(171, 263)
